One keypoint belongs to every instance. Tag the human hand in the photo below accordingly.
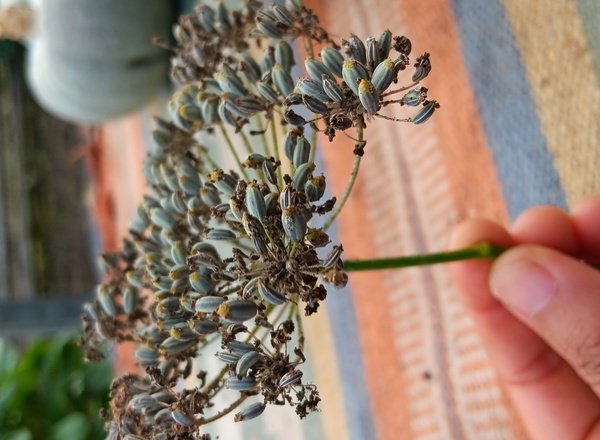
(537, 310)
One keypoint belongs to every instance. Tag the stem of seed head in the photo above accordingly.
(225, 411)
(247, 143)
(234, 151)
(349, 185)
(483, 250)
(276, 150)
(401, 89)
(263, 135)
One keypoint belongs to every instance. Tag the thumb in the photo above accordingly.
(558, 297)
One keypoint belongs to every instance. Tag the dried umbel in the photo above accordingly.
(230, 258)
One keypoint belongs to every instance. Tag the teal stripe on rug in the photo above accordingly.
(524, 164)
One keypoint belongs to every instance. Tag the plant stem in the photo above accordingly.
(276, 151)
(481, 250)
(246, 142)
(224, 411)
(349, 185)
(261, 128)
(233, 151)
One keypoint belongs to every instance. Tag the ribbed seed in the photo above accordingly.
(385, 44)
(269, 294)
(254, 161)
(282, 80)
(384, 75)
(209, 304)
(230, 83)
(223, 182)
(333, 257)
(250, 412)
(315, 105)
(224, 113)
(247, 106)
(290, 378)
(182, 418)
(332, 90)
(250, 289)
(294, 223)
(311, 87)
(237, 310)
(147, 356)
(284, 55)
(106, 299)
(333, 59)
(302, 174)
(289, 143)
(268, 26)
(240, 347)
(368, 96)
(246, 362)
(171, 346)
(267, 92)
(179, 271)
(210, 195)
(425, 113)
(356, 49)
(168, 306)
(243, 384)
(316, 69)
(228, 357)
(282, 15)
(255, 203)
(220, 234)
(183, 332)
(130, 297)
(415, 97)
(209, 107)
(203, 326)
(352, 73)
(267, 61)
(315, 188)
(201, 283)
(160, 217)
(212, 257)
(301, 152)
(268, 168)
(373, 53)
(249, 67)
(178, 252)
(285, 197)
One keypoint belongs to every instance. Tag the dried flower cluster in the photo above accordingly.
(230, 257)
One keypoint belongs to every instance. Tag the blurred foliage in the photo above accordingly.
(47, 391)
(9, 49)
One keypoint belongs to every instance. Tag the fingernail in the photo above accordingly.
(523, 286)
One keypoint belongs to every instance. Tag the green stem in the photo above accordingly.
(481, 250)
(233, 151)
(223, 412)
(349, 185)
(247, 143)
(276, 151)
(263, 136)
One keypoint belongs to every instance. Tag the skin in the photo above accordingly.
(537, 310)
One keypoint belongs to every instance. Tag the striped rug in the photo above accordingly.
(519, 87)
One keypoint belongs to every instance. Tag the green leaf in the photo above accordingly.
(74, 427)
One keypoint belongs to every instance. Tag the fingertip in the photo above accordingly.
(471, 277)
(546, 226)
(586, 227)
(473, 231)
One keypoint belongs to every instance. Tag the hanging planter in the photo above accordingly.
(92, 61)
